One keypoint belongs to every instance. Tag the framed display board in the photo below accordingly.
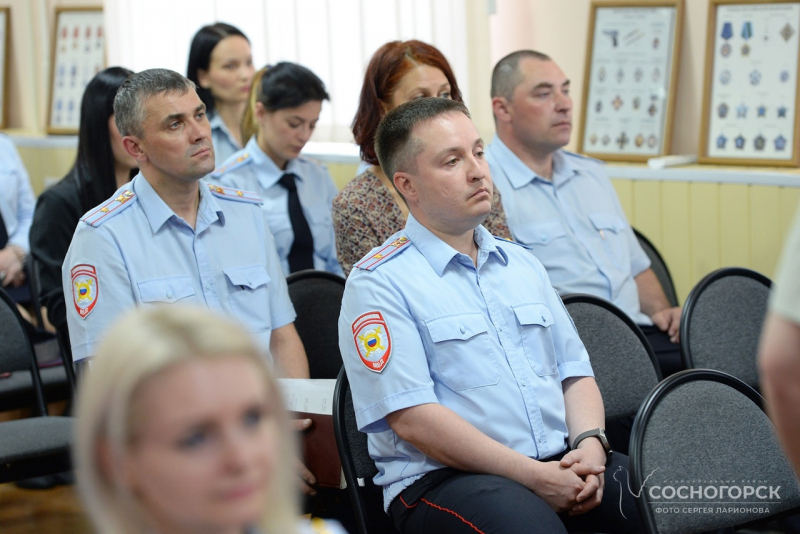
(78, 54)
(750, 94)
(630, 79)
(5, 21)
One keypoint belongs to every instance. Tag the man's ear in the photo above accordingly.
(501, 108)
(405, 186)
(133, 147)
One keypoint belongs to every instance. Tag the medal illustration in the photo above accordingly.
(762, 111)
(780, 143)
(782, 112)
(759, 142)
(622, 140)
(651, 141)
(725, 77)
(722, 110)
(787, 32)
(721, 141)
(741, 111)
(739, 142)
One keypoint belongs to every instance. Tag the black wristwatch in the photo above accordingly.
(598, 433)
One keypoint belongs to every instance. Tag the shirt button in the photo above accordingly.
(541, 440)
(524, 384)
(543, 319)
(463, 330)
(169, 295)
(208, 287)
(543, 237)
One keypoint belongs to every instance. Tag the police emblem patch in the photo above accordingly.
(372, 339)
(84, 289)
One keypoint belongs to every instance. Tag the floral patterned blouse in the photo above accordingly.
(365, 215)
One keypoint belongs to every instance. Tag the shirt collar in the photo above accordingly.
(268, 173)
(158, 212)
(439, 254)
(520, 174)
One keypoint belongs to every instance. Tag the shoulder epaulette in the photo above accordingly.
(512, 242)
(231, 193)
(230, 165)
(381, 254)
(312, 161)
(582, 156)
(109, 208)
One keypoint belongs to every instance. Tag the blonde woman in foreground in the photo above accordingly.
(181, 430)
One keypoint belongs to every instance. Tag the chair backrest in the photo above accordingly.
(32, 268)
(317, 299)
(659, 267)
(625, 368)
(16, 349)
(722, 320)
(702, 447)
(358, 466)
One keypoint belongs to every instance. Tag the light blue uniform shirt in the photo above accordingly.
(574, 224)
(253, 170)
(16, 196)
(225, 145)
(141, 253)
(491, 343)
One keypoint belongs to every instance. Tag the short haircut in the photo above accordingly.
(506, 75)
(385, 70)
(282, 86)
(129, 112)
(396, 148)
(203, 44)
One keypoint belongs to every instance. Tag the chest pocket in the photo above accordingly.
(166, 290)
(611, 227)
(463, 351)
(535, 324)
(540, 233)
(249, 296)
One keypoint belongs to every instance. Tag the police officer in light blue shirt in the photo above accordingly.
(169, 237)
(466, 371)
(563, 205)
(297, 193)
(16, 214)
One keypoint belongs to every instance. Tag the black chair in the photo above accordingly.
(39, 445)
(625, 367)
(701, 429)
(317, 299)
(722, 320)
(659, 267)
(358, 467)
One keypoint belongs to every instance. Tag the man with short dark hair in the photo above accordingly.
(467, 374)
(167, 236)
(563, 205)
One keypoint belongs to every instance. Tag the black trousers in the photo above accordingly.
(451, 501)
(668, 353)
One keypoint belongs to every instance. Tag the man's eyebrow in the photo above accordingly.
(441, 153)
(548, 85)
(173, 116)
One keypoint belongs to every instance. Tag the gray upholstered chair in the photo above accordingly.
(37, 445)
(625, 368)
(317, 299)
(699, 440)
(722, 320)
(659, 267)
(358, 466)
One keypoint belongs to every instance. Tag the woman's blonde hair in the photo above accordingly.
(139, 346)
(249, 122)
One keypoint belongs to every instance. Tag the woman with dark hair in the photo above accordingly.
(369, 210)
(221, 66)
(101, 167)
(285, 104)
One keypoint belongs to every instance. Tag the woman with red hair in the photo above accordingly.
(369, 210)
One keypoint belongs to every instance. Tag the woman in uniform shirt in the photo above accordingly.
(221, 66)
(285, 104)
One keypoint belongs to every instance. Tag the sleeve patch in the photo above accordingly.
(85, 289)
(373, 341)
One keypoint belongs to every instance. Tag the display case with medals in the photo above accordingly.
(78, 54)
(5, 20)
(750, 97)
(630, 79)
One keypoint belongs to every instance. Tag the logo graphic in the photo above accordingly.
(84, 289)
(372, 339)
(636, 494)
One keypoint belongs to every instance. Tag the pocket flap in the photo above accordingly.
(533, 314)
(251, 276)
(540, 233)
(460, 327)
(607, 221)
(166, 289)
